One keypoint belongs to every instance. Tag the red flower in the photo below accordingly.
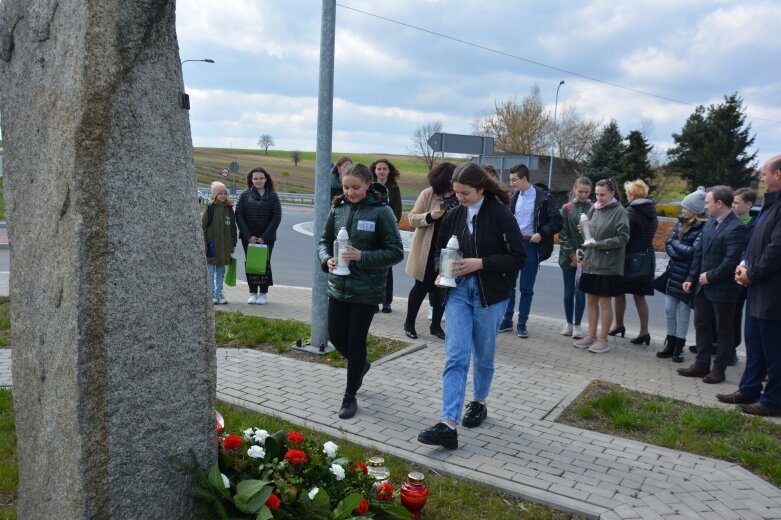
(360, 465)
(295, 438)
(385, 492)
(232, 442)
(295, 457)
(363, 507)
(219, 428)
(273, 501)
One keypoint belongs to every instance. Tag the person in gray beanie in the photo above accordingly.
(695, 201)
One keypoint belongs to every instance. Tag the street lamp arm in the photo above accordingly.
(207, 60)
(553, 141)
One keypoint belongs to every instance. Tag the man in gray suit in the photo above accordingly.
(712, 276)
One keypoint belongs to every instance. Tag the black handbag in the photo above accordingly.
(660, 283)
(640, 266)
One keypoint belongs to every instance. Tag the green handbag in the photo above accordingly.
(257, 258)
(230, 273)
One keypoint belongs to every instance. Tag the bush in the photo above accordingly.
(668, 209)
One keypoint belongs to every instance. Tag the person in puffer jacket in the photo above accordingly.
(375, 246)
(680, 248)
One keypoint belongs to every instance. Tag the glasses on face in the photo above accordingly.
(516, 180)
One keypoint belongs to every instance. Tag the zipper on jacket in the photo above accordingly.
(483, 300)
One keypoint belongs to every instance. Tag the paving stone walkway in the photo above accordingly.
(519, 448)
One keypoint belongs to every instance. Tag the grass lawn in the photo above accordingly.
(450, 498)
(9, 472)
(5, 321)
(234, 329)
(752, 442)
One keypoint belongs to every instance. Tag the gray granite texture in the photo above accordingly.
(114, 361)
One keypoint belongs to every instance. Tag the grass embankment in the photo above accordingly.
(730, 435)
(5, 321)
(9, 471)
(234, 329)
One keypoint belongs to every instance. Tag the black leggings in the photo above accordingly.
(418, 293)
(348, 326)
(389, 287)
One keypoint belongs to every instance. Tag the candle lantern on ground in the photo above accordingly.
(414, 493)
(378, 470)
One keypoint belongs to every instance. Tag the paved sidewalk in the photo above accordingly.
(519, 448)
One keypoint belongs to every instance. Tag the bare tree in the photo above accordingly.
(520, 127)
(265, 142)
(420, 147)
(296, 156)
(575, 135)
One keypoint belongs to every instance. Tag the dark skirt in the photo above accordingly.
(638, 287)
(601, 285)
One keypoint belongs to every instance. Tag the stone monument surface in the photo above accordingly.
(112, 325)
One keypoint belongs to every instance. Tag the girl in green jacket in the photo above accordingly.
(375, 246)
(219, 233)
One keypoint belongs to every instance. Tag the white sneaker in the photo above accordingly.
(223, 301)
(600, 346)
(215, 301)
(585, 342)
(262, 299)
(567, 330)
(577, 332)
(253, 299)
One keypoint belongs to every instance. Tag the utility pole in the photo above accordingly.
(325, 116)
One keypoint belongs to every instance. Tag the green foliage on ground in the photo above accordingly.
(449, 497)
(2, 199)
(9, 471)
(234, 329)
(5, 321)
(752, 442)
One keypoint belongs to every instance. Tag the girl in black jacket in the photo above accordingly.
(258, 214)
(492, 246)
(386, 174)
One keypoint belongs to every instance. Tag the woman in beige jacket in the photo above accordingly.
(425, 217)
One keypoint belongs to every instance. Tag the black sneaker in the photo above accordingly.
(440, 435)
(386, 308)
(349, 407)
(474, 415)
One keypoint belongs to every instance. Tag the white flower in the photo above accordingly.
(313, 492)
(248, 433)
(329, 448)
(225, 481)
(256, 452)
(260, 436)
(338, 471)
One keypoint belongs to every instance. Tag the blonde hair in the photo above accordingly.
(638, 189)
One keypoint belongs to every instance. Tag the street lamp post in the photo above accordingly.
(553, 141)
(184, 99)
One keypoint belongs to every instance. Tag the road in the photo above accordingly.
(293, 259)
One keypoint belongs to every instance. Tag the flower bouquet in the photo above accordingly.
(264, 476)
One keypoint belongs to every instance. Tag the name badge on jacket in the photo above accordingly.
(365, 225)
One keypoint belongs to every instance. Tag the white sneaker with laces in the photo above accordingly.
(215, 300)
(223, 301)
(584, 343)
(566, 330)
(262, 299)
(577, 332)
(253, 299)
(600, 346)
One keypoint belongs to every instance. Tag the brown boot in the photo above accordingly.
(695, 370)
(715, 376)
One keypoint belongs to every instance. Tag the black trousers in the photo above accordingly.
(737, 327)
(348, 326)
(389, 287)
(706, 314)
(418, 293)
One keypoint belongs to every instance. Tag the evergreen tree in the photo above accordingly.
(712, 147)
(606, 154)
(635, 163)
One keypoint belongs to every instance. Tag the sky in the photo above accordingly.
(390, 79)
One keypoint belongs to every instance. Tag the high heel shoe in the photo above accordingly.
(437, 331)
(618, 330)
(639, 340)
(410, 332)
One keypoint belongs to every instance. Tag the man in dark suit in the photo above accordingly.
(760, 271)
(713, 274)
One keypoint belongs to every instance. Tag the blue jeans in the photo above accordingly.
(677, 314)
(471, 328)
(216, 275)
(763, 358)
(573, 297)
(528, 277)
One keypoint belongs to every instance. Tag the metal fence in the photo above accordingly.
(295, 198)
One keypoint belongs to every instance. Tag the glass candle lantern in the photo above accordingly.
(585, 228)
(342, 241)
(378, 470)
(447, 259)
(414, 493)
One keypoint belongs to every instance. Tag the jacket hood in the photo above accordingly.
(541, 186)
(645, 207)
(375, 196)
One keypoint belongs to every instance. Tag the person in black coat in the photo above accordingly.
(680, 248)
(642, 229)
(712, 281)
(385, 173)
(492, 248)
(258, 215)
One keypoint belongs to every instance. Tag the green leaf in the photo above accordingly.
(273, 449)
(215, 479)
(391, 511)
(342, 461)
(251, 495)
(264, 514)
(345, 508)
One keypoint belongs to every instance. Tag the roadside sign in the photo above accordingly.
(224, 172)
(459, 143)
(285, 174)
(234, 167)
